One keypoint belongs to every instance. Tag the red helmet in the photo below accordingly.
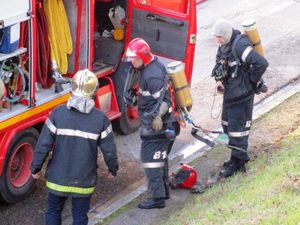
(138, 47)
(185, 178)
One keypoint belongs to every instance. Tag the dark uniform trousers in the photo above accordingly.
(236, 123)
(154, 158)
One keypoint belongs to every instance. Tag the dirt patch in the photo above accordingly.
(268, 131)
(265, 138)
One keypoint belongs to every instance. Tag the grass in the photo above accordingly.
(119, 212)
(269, 194)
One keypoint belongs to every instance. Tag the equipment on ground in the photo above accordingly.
(185, 177)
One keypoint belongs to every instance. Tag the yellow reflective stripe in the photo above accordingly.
(69, 189)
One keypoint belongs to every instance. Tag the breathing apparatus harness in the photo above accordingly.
(177, 79)
(184, 102)
(130, 95)
(220, 71)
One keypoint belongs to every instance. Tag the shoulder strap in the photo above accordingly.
(155, 109)
(235, 55)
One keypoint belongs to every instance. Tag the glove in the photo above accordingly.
(220, 87)
(114, 171)
(259, 87)
(157, 124)
(262, 87)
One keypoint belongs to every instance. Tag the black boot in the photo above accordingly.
(228, 162)
(167, 189)
(152, 203)
(231, 167)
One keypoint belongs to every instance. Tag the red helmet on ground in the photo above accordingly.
(186, 177)
(138, 47)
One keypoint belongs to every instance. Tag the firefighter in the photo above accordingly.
(158, 127)
(73, 132)
(238, 73)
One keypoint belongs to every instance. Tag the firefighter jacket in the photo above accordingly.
(74, 138)
(239, 84)
(153, 90)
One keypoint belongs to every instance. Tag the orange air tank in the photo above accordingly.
(250, 30)
(180, 84)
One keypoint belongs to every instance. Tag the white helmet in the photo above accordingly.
(84, 83)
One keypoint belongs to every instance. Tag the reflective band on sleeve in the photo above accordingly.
(144, 93)
(51, 126)
(106, 132)
(239, 134)
(77, 133)
(225, 123)
(156, 95)
(246, 53)
(231, 64)
(69, 189)
(153, 165)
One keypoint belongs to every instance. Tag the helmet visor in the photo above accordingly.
(129, 56)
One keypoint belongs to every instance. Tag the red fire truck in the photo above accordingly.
(168, 26)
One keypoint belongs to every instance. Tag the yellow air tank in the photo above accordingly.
(251, 32)
(180, 84)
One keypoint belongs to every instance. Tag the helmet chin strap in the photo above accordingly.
(139, 68)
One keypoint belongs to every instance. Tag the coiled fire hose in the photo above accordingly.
(14, 79)
(59, 33)
(60, 39)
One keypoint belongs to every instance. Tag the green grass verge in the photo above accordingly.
(269, 194)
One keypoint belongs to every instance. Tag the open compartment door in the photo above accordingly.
(168, 26)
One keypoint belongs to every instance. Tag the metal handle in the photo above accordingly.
(165, 20)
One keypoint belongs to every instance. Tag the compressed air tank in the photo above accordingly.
(250, 30)
(180, 84)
